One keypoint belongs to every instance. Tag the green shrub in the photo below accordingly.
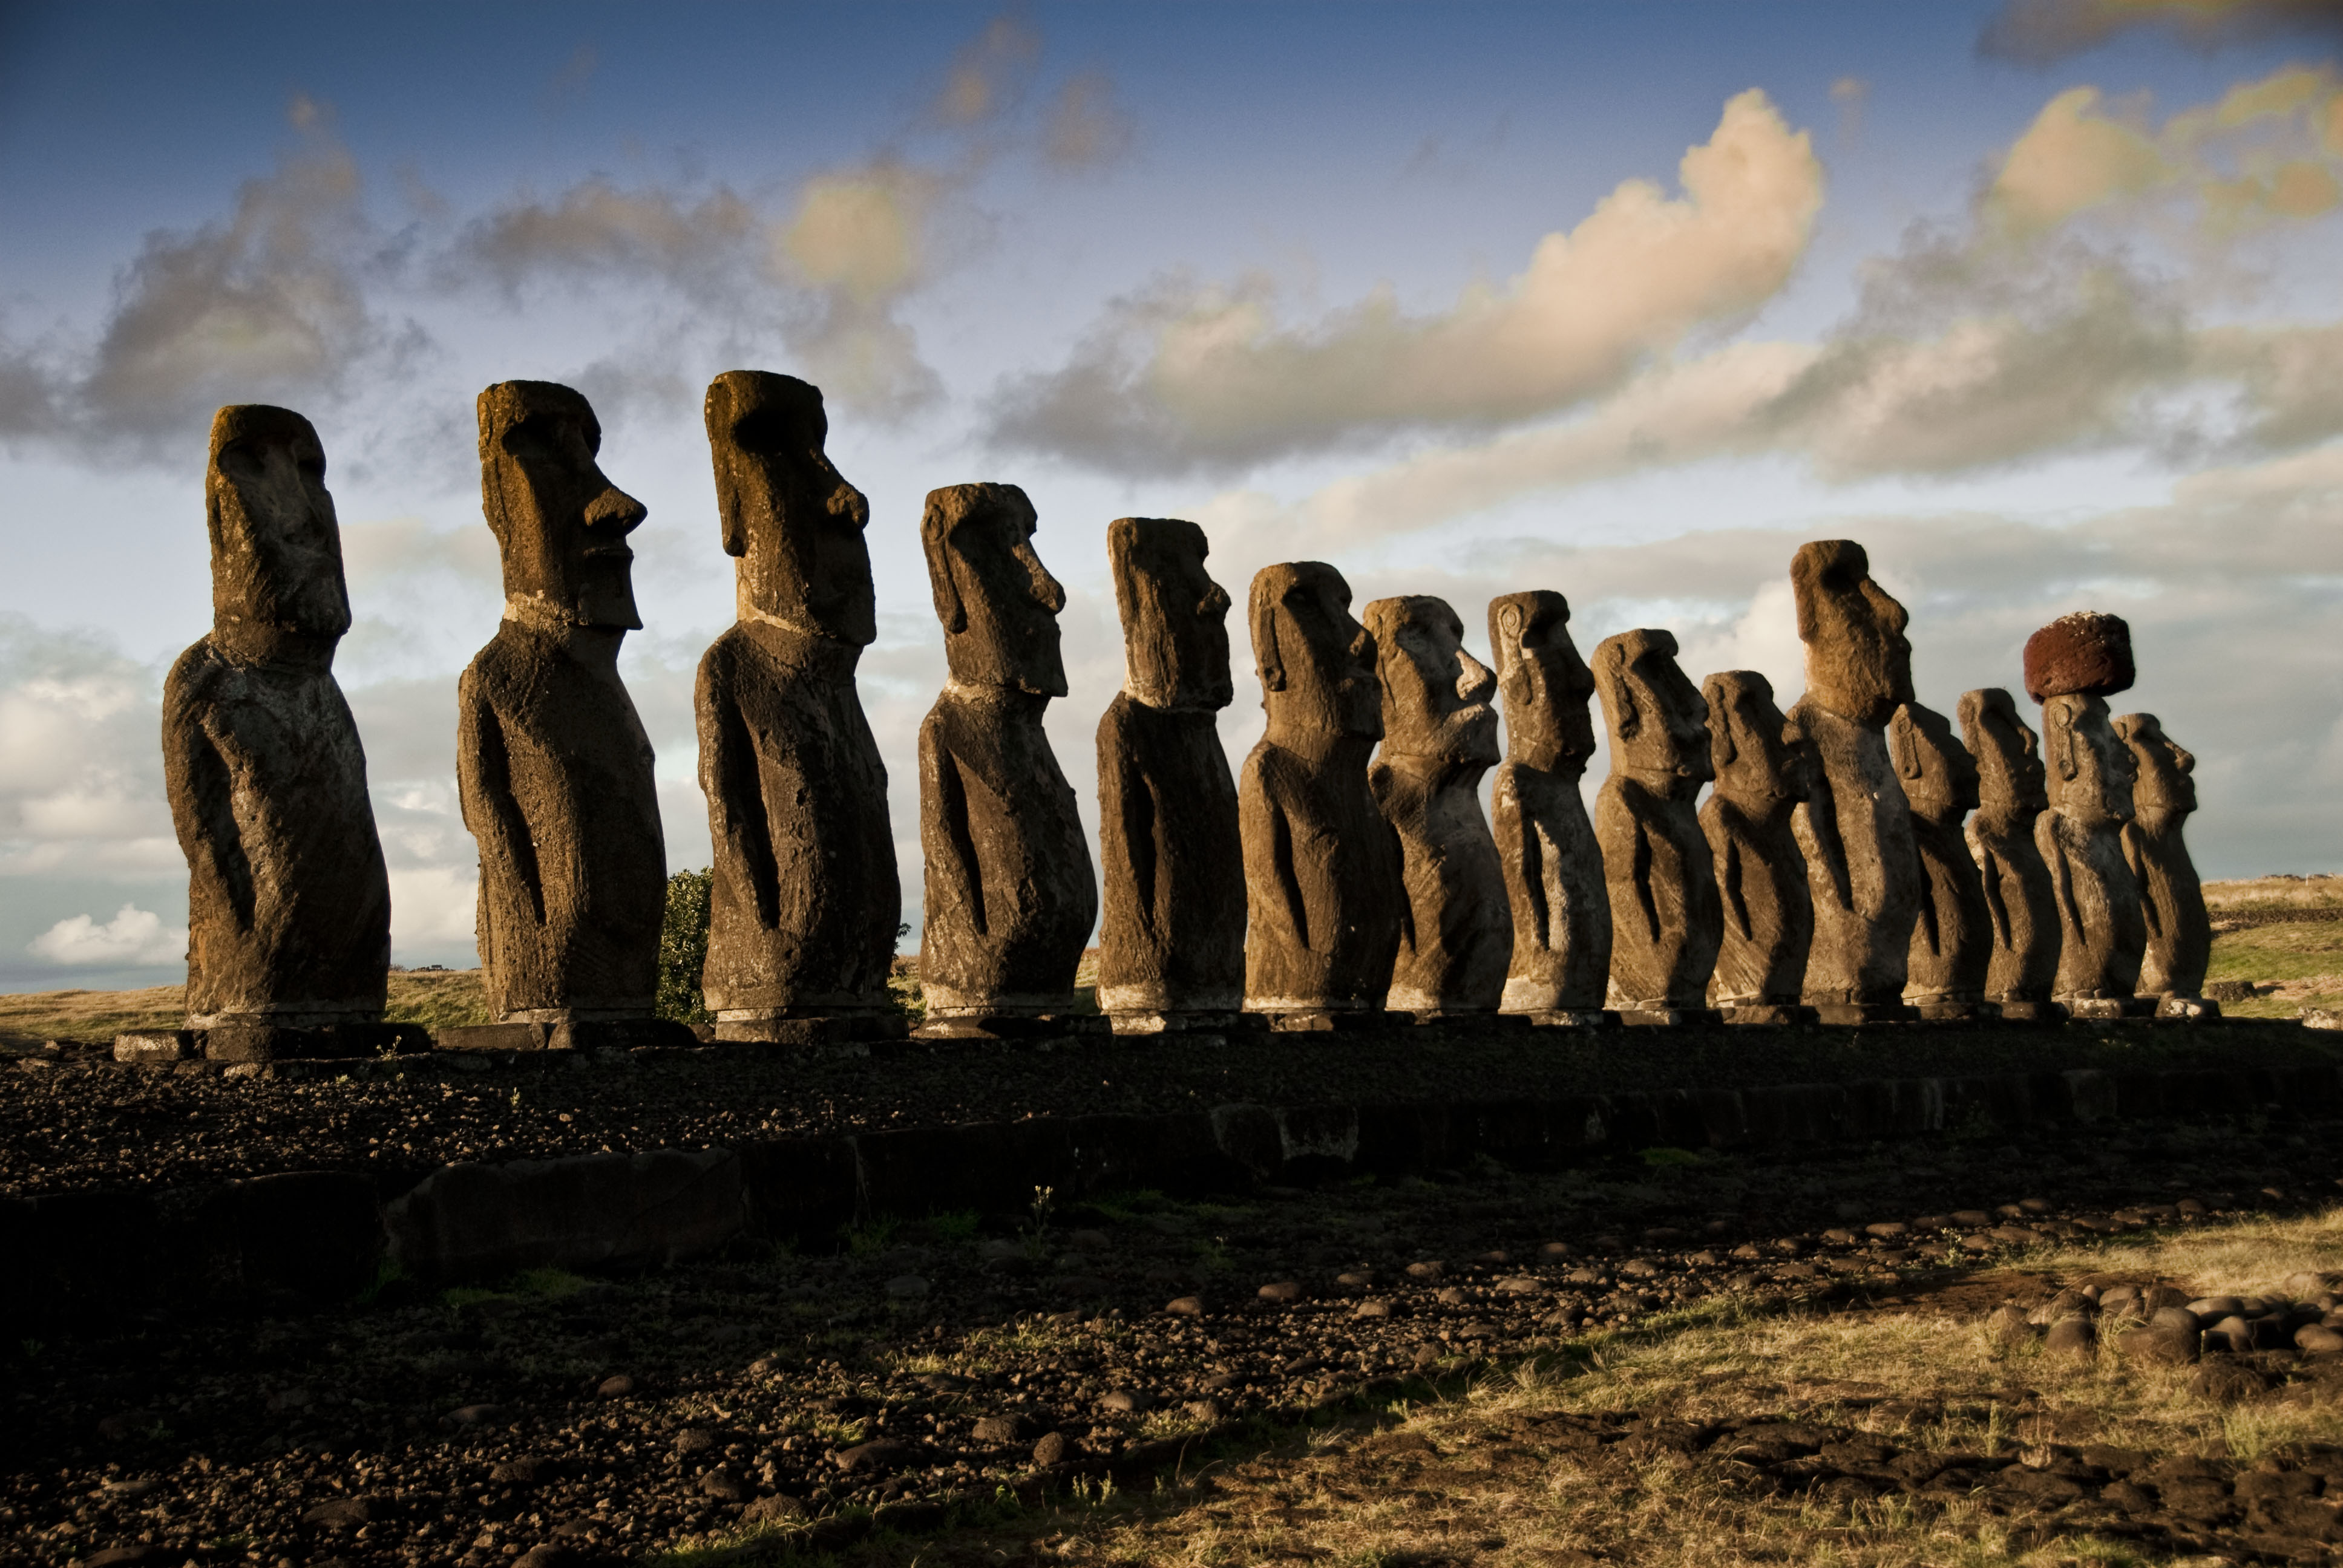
(683, 947)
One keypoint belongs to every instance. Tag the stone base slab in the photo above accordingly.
(1350, 1021)
(579, 1034)
(244, 1042)
(1767, 1014)
(2108, 1009)
(1947, 1010)
(1570, 1018)
(2188, 1009)
(2027, 1010)
(1435, 1017)
(1858, 1012)
(1669, 1017)
(1014, 1026)
(848, 1029)
(1147, 1020)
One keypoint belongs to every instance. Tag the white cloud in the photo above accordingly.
(133, 937)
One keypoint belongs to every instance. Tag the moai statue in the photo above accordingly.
(1952, 941)
(1761, 873)
(1322, 891)
(1440, 735)
(2020, 907)
(2072, 667)
(1666, 922)
(1856, 826)
(551, 762)
(289, 907)
(2179, 930)
(801, 920)
(1561, 969)
(1009, 902)
(1171, 942)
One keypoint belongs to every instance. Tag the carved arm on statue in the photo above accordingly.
(484, 787)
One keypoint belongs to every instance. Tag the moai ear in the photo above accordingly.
(1906, 738)
(1631, 718)
(2067, 767)
(942, 583)
(1265, 654)
(1724, 744)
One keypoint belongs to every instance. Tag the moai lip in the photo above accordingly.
(2021, 907)
(1761, 774)
(1171, 938)
(2179, 928)
(803, 911)
(1952, 941)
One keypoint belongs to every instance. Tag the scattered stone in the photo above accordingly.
(2227, 1382)
(475, 1415)
(1185, 1306)
(1124, 1400)
(1520, 1285)
(999, 1430)
(878, 1454)
(778, 1509)
(1430, 1269)
(1050, 1451)
(724, 1487)
(2072, 1336)
(2317, 1340)
(2009, 1324)
(1372, 1308)
(1282, 1292)
(906, 1287)
(618, 1386)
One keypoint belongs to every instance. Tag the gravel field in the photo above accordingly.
(564, 1420)
(74, 1119)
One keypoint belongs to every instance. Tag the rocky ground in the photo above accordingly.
(961, 1361)
(73, 1119)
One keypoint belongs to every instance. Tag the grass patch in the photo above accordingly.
(2253, 893)
(2303, 959)
(437, 999)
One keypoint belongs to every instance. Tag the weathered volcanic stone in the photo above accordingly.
(289, 907)
(2103, 933)
(2021, 908)
(1761, 873)
(802, 916)
(1171, 941)
(551, 762)
(1010, 896)
(1665, 921)
(1322, 891)
(2086, 654)
(1952, 941)
(1561, 969)
(1856, 827)
(1440, 736)
(2179, 930)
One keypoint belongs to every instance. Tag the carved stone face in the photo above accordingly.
(794, 521)
(998, 603)
(561, 525)
(2008, 756)
(1659, 723)
(1175, 633)
(2163, 768)
(1437, 696)
(1753, 759)
(2089, 768)
(1317, 664)
(1546, 685)
(276, 549)
(1858, 661)
(1939, 776)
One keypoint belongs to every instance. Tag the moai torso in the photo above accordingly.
(802, 916)
(1322, 866)
(1952, 941)
(2021, 909)
(2172, 900)
(289, 906)
(552, 763)
(1863, 869)
(1666, 922)
(1560, 969)
(2071, 667)
(1440, 735)
(1009, 898)
(1761, 873)
(1171, 938)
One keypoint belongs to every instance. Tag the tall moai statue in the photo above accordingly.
(1952, 940)
(1172, 941)
(1667, 924)
(551, 762)
(802, 916)
(1009, 898)
(2072, 667)
(1561, 969)
(1855, 827)
(2021, 909)
(1440, 736)
(1768, 912)
(1322, 866)
(289, 907)
(2172, 900)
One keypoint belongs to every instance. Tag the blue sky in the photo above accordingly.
(2038, 300)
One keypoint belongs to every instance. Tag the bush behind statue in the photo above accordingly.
(683, 947)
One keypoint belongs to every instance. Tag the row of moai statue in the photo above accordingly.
(1347, 876)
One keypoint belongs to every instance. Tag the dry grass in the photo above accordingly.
(1470, 1477)
(438, 998)
(2275, 893)
(2303, 959)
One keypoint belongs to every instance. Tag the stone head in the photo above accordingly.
(1317, 664)
(276, 549)
(1175, 630)
(998, 603)
(1437, 696)
(1939, 776)
(1858, 661)
(1659, 724)
(788, 518)
(2164, 783)
(560, 524)
(2089, 769)
(2007, 755)
(2086, 654)
(1546, 685)
(1748, 747)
